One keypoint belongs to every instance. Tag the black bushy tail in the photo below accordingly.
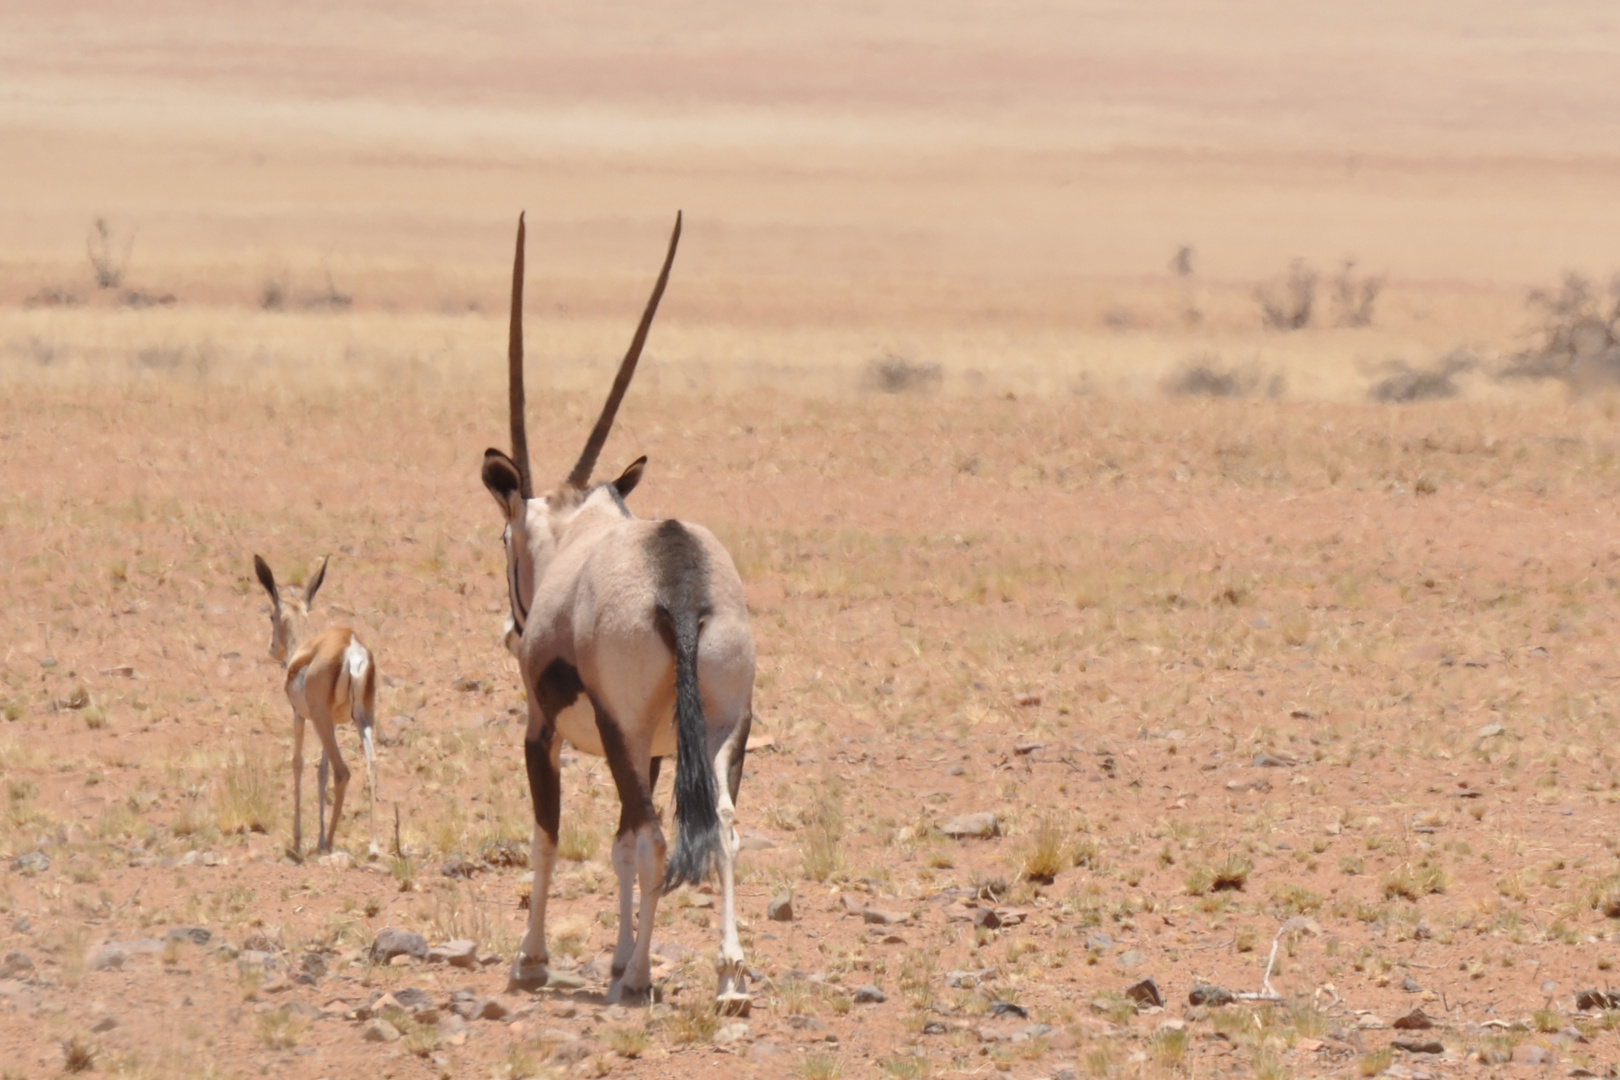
(697, 818)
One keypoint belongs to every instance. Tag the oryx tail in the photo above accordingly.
(682, 604)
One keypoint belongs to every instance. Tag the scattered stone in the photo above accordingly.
(380, 1031)
(1003, 1009)
(459, 953)
(31, 863)
(987, 918)
(1065, 1074)
(313, 966)
(254, 961)
(104, 1025)
(565, 980)
(1209, 994)
(1573, 1034)
(337, 860)
(197, 935)
(1416, 1020)
(458, 867)
(1490, 731)
(110, 957)
(391, 943)
(1026, 700)
(869, 995)
(1410, 985)
(1270, 761)
(730, 1034)
(1530, 1054)
(934, 1027)
(17, 965)
(752, 840)
(780, 909)
(1370, 1023)
(1131, 958)
(1145, 993)
(1496, 1057)
(851, 904)
(1100, 942)
(1024, 749)
(880, 917)
(956, 770)
(1596, 999)
(967, 980)
(411, 999)
(806, 1023)
(970, 826)
(1308, 1046)
(1419, 1046)
(1025, 1034)
(491, 1009)
(260, 941)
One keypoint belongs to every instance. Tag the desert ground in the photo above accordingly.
(1121, 617)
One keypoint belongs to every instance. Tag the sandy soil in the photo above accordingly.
(1281, 668)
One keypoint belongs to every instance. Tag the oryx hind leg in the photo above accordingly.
(732, 995)
(542, 757)
(638, 857)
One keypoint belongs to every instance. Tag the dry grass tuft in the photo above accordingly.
(247, 795)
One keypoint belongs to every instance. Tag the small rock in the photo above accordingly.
(755, 841)
(17, 965)
(934, 1027)
(1416, 1020)
(851, 904)
(1145, 993)
(1530, 1054)
(1410, 985)
(1371, 1023)
(1209, 994)
(1131, 959)
(31, 863)
(459, 953)
(969, 826)
(730, 1034)
(1269, 761)
(104, 1025)
(1490, 731)
(380, 1031)
(987, 918)
(967, 980)
(1573, 1034)
(880, 917)
(806, 1023)
(458, 867)
(337, 860)
(1065, 1074)
(780, 909)
(491, 1009)
(956, 770)
(1003, 1009)
(1596, 999)
(1024, 749)
(1100, 942)
(1026, 700)
(313, 965)
(197, 935)
(110, 957)
(391, 943)
(565, 980)
(1419, 1046)
(869, 995)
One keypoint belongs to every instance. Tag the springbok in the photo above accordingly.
(633, 641)
(329, 676)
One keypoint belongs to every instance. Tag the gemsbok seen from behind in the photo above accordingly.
(634, 644)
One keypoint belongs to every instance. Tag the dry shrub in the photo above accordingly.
(1287, 305)
(1405, 383)
(105, 258)
(1047, 854)
(1578, 337)
(1208, 376)
(823, 833)
(891, 374)
(1353, 297)
(246, 795)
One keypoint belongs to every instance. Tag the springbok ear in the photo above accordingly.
(627, 481)
(503, 480)
(267, 579)
(313, 585)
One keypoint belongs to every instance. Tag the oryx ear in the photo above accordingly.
(503, 480)
(313, 585)
(627, 481)
(267, 579)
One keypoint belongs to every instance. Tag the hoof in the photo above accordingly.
(620, 994)
(527, 975)
(733, 1004)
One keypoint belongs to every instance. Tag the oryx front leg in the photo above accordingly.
(732, 995)
(541, 755)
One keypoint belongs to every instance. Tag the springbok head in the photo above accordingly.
(289, 608)
(535, 523)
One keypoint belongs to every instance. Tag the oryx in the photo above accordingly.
(634, 644)
(330, 677)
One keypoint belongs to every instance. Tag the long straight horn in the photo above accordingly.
(604, 423)
(514, 371)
